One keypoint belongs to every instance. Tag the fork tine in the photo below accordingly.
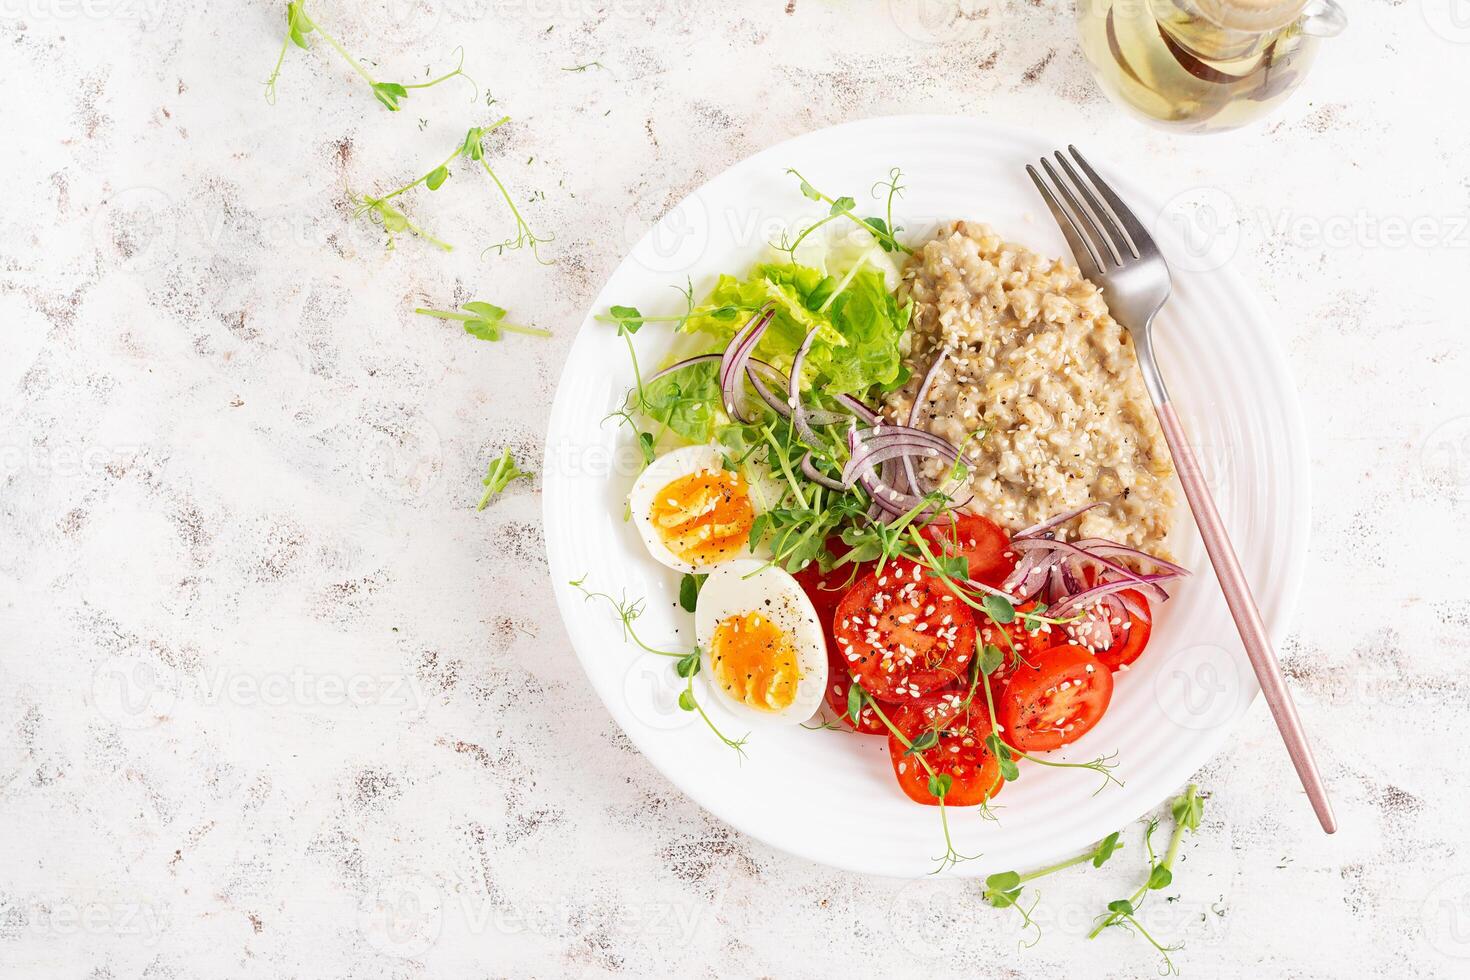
(1081, 248)
(1143, 242)
(1120, 242)
(1102, 246)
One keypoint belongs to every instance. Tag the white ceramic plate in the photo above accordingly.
(829, 796)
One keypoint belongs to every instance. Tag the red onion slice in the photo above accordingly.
(920, 397)
(1133, 606)
(857, 408)
(1025, 544)
(732, 364)
(756, 369)
(1052, 522)
(1102, 546)
(793, 391)
(1096, 592)
(681, 365)
(810, 471)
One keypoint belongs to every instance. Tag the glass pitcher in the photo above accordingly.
(1203, 65)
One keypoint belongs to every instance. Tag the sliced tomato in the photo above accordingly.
(826, 589)
(839, 685)
(1015, 642)
(960, 752)
(984, 543)
(1115, 640)
(1055, 699)
(903, 633)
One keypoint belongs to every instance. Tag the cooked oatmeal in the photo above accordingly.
(1039, 366)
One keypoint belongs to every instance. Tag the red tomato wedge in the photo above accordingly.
(1054, 700)
(826, 589)
(984, 543)
(1112, 639)
(839, 686)
(960, 752)
(902, 633)
(1016, 644)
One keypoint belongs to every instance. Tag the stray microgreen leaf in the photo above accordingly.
(500, 472)
(844, 206)
(689, 587)
(999, 608)
(1122, 913)
(686, 664)
(390, 94)
(482, 320)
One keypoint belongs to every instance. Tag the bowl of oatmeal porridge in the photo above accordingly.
(1039, 383)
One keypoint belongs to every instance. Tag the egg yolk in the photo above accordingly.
(754, 662)
(703, 517)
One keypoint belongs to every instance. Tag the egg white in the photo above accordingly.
(752, 586)
(659, 474)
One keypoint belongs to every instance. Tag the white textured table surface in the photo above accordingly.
(274, 699)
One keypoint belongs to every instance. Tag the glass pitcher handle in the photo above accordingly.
(1323, 18)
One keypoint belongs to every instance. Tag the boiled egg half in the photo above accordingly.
(761, 643)
(692, 512)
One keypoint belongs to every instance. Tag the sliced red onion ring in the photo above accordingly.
(681, 365)
(1071, 549)
(1087, 597)
(885, 497)
(1102, 546)
(880, 444)
(809, 469)
(869, 458)
(756, 369)
(793, 391)
(1134, 607)
(1052, 522)
(732, 363)
(878, 434)
(919, 398)
(857, 408)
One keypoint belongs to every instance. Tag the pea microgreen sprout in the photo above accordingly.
(843, 207)
(299, 25)
(578, 69)
(1123, 913)
(686, 664)
(939, 783)
(894, 189)
(1003, 889)
(498, 475)
(485, 321)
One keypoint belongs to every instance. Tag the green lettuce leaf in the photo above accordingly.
(859, 329)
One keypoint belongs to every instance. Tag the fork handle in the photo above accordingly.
(1247, 617)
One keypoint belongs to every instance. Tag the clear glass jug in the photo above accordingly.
(1203, 65)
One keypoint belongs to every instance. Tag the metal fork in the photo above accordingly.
(1114, 250)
